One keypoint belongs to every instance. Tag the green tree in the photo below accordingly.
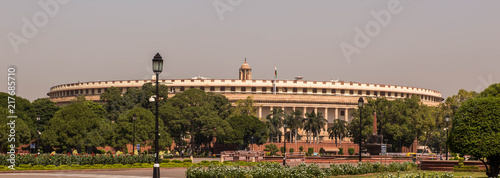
(22, 132)
(315, 123)
(274, 122)
(24, 110)
(337, 130)
(113, 103)
(245, 130)
(492, 91)
(46, 109)
(144, 126)
(295, 121)
(74, 126)
(244, 108)
(193, 112)
(476, 131)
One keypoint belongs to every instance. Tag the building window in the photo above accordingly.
(304, 90)
(294, 90)
(342, 113)
(191, 87)
(342, 91)
(233, 88)
(368, 93)
(99, 90)
(212, 88)
(202, 88)
(182, 88)
(254, 89)
(76, 92)
(375, 93)
(284, 90)
(360, 92)
(351, 92)
(333, 91)
(87, 91)
(243, 89)
(315, 90)
(388, 93)
(264, 89)
(222, 88)
(395, 94)
(93, 91)
(382, 93)
(323, 91)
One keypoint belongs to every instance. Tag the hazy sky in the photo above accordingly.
(441, 45)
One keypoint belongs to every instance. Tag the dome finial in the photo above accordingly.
(245, 60)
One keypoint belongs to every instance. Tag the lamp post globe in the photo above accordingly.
(157, 69)
(360, 106)
(133, 143)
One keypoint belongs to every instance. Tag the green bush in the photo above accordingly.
(176, 161)
(272, 169)
(272, 148)
(310, 151)
(351, 151)
(341, 151)
(291, 150)
(321, 150)
(282, 150)
(165, 161)
(187, 161)
(301, 149)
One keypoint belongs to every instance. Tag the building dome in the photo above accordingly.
(245, 65)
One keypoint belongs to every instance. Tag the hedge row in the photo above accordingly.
(78, 159)
(267, 169)
(95, 166)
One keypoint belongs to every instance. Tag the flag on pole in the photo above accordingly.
(275, 72)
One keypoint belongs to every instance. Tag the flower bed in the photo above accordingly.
(268, 169)
(78, 159)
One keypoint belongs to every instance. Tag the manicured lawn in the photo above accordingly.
(455, 174)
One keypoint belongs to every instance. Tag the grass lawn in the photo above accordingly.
(455, 174)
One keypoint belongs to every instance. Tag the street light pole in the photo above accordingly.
(360, 106)
(284, 142)
(446, 145)
(133, 144)
(38, 133)
(157, 68)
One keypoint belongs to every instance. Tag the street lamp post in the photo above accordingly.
(133, 144)
(284, 144)
(446, 145)
(157, 69)
(38, 133)
(360, 106)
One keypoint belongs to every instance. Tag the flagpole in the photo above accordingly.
(274, 82)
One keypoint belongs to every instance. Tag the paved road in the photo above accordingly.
(130, 173)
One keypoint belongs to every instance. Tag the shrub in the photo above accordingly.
(165, 161)
(341, 151)
(291, 150)
(351, 151)
(310, 151)
(282, 150)
(187, 161)
(101, 151)
(301, 149)
(176, 161)
(321, 150)
(272, 148)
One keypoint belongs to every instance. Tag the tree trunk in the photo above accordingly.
(494, 164)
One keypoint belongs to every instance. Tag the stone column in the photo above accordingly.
(326, 117)
(260, 111)
(304, 114)
(336, 113)
(346, 116)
